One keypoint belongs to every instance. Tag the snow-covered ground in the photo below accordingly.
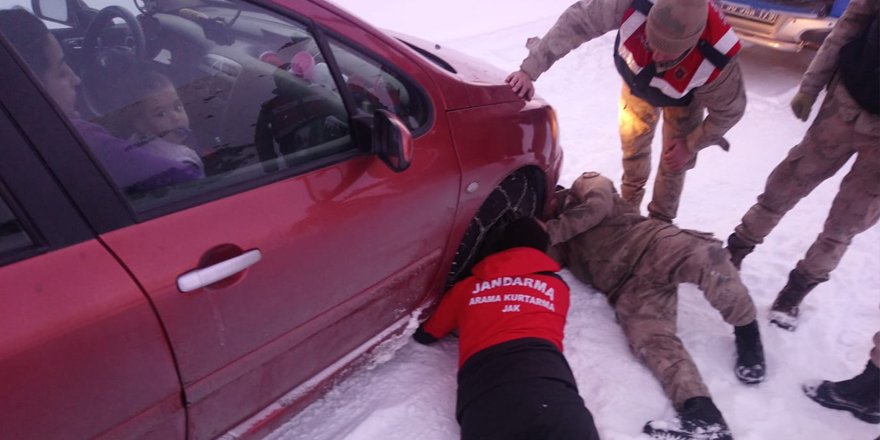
(411, 394)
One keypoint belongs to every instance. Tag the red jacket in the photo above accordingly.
(513, 294)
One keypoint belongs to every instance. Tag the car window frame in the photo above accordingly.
(32, 194)
(359, 49)
(360, 147)
(105, 206)
(57, 145)
(38, 242)
(323, 34)
(362, 142)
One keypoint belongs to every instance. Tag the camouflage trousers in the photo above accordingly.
(637, 122)
(647, 304)
(833, 138)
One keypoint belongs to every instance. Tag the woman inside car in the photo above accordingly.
(131, 167)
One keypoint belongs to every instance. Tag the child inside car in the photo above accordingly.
(153, 117)
(130, 168)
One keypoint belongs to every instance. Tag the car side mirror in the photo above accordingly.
(392, 141)
(57, 11)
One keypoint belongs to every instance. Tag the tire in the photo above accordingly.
(515, 197)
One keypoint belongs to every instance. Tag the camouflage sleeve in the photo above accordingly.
(857, 16)
(581, 22)
(725, 102)
(590, 201)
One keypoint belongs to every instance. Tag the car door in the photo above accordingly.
(327, 245)
(82, 354)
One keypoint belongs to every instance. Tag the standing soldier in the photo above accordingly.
(638, 263)
(678, 55)
(848, 123)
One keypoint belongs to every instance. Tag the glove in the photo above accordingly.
(801, 105)
(423, 337)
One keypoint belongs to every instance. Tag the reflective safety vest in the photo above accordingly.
(674, 87)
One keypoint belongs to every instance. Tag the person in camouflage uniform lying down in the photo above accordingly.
(638, 263)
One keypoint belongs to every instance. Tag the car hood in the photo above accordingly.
(483, 83)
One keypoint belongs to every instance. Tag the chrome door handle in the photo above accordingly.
(196, 279)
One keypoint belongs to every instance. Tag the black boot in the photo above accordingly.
(699, 419)
(738, 249)
(750, 367)
(785, 311)
(859, 395)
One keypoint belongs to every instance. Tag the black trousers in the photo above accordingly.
(521, 390)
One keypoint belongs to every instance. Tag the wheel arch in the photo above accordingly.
(522, 192)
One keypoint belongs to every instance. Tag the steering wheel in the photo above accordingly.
(105, 62)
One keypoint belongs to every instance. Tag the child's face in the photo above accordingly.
(162, 114)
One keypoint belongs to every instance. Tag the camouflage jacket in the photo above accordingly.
(599, 237)
(724, 98)
(821, 72)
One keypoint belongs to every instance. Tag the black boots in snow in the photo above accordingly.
(784, 311)
(859, 395)
(699, 419)
(750, 368)
(738, 249)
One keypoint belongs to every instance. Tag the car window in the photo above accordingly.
(13, 237)
(217, 99)
(374, 86)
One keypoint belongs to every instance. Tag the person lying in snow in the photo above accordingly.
(638, 263)
(513, 380)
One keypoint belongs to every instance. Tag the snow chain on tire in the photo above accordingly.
(515, 197)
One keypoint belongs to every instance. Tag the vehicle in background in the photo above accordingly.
(788, 25)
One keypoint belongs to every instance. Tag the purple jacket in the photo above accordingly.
(130, 166)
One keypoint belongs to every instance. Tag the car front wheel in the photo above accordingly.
(515, 197)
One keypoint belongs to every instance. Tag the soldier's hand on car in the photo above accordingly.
(521, 84)
(678, 155)
(801, 105)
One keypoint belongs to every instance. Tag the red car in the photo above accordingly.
(326, 181)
